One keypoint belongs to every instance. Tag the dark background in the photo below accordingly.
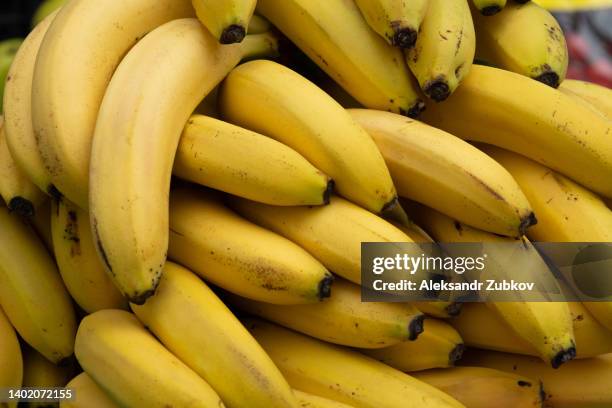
(15, 16)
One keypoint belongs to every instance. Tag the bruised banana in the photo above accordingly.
(87, 394)
(11, 360)
(598, 96)
(227, 20)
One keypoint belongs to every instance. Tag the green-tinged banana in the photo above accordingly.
(306, 400)
(511, 111)
(78, 262)
(239, 256)
(31, 291)
(343, 375)
(579, 384)
(11, 361)
(258, 25)
(227, 20)
(41, 223)
(8, 49)
(477, 387)
(46, 8)
(397, 21)
(169, 71)
(19, 193)
(18, 109)
(427, 163)
(211, 340)
(598, 96)
(439, 346)
(38, 372)
(523, 38)
(333, 233)
(334, 34)
(489, 7)
(343, 318)
(444, 51)
(481, 327)
(229, 158)
(271, 99)
(134, 369)
(87, 394)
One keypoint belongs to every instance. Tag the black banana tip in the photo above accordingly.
(415, 110)
(415, 327)
(563, 357)
(549, 78)
(328, 191)
(21, 206)
(54, 192)
(233, 34)
(324, 290)
(455, 354)
(454, 309)
(490, 10)
(526, 222)
(140, 298)
(404, 38)
(437, 90)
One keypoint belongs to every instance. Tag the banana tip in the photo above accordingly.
(438, 90)
(415, 327)
(455, 354)
(526, 222)
(563, 356)
(21, 207)
(490, 10)
(232, 34)
(54, 192)
(404, 38)
(325, 286)
(328, 191)
(549, 78)
(141, 297)
(454, 309)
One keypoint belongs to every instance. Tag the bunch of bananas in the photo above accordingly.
(184, 203)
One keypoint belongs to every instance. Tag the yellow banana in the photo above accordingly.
(532, 119)
(41, 223)
(396, 21)
(31, 291)
(227, 20)
(11, 360)
(343, 318)
(244, 163)
(439, 346)
(489, 7)
(306, 400)
(38, 372)
(211, 341)
(343, 375)
(598, 96)
(258, 25)
(443, 53)
(334, 34)
(79, 265)
(134, 368)
(239, 256)
(87, 394)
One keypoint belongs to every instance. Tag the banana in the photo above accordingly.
(227, 20)
(131, 160)
(343, 318)
(531, 119)
(334, 34)
(87, 394)
(244, 163)
(427, 163)
(127, 362)
(38, 372)
(598, 96)
(44, 9)
(489, 7)
(211, 341)
(79, 265)
(11, 361)
(523, 38)
(333, 233)
(41, 223)
(443, 53)
(580, 384)
(396, 21)
(313, 124)
(343, 375)
(439, 346)
(481, 327)
(18, 109)
(18, 192)
(31, 291)
(477, 387)
(258, 25)
(306, 400)
(239, 256)
(8, 50)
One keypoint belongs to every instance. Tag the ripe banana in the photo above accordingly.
(427, 163)
(334, 34)
(41, 223)
(477, 387)
(443, 53)
(211, 341)
(343, 318)
(306, 400)
(239, 256)
(79, 265)
(258, 25)
(343, 375)
(87, 394)
(523, 38)
(439, 346)
(481, 327)
(8, 50)
(31, 291)
(598, 96)
(396, 21)
(532, 119)
(11, 361)
(244, 163)
(131, 160)
(19, 193)
(489, 7)
(227, 20)
(134, 368)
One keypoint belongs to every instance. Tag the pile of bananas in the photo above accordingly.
(150, 148)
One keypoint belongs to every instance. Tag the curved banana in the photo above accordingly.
(258, 25)
(523, 38)
(79, 265)
(227, 20)
(531, 119)
(343, 318)
(35, 302)
(427, 163)
(239, 256)
(87, 394)
(396, 21)
(598, 96)
(489, 7)
(443, 53)
(11, 360)
(134, 368)
(334, 34)
(244, 163)
(307, 400)
(343, 375)
(439, 346)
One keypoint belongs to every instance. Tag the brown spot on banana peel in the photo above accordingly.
(71, 233)
(415, 327)
(21, 207)
(235, 33)
(455, 354)
(522, 383)
(563, 356)
(541, 391)
(54, 192)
